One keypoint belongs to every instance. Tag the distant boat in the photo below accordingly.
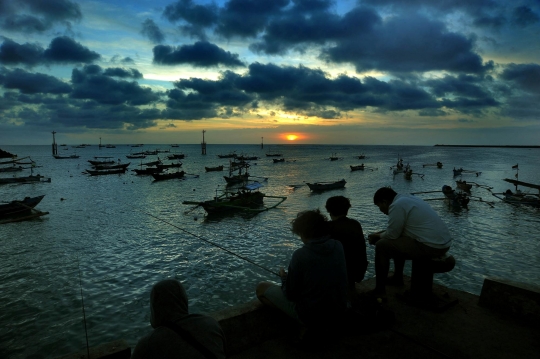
(358, 168)
(169, 165)
(135, 156)
(324, 186)
(166, 176)
(276, 160)
(176, 156)
(175, 146)
(59, 157)
(110, 146)
(456, 199)
(26, 179)
(230, 155)
(463, 185)
(214, 169)
(438, 164)
(112, 167)
(273, 155)
(147, 170)
(106, 172)
(334, 157)
(100, 163)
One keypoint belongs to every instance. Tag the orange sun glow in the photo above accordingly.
(292, 137)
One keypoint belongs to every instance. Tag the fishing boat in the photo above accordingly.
(242, 175)
(175, 145)
(361, 157)
(25, 179)
(334, 157)
(136, 156)
(247, 198)
(398, 168)
(112, 167)
(214, 169)
(438, 164)
(274, 154)
(324, 186)
(151, 163)
(518, 197)
(101, 163)
(5, 154)
(59, 157)
(167, 176)
(277, 160)
(106, 172)
(456, 199)
(169, 165)
(176, 156)
(358, 168)
(15, 211)
(463, 185)
(230, 155)
(110, 146)
(12, 169)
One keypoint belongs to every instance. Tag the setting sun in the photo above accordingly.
(292, 137)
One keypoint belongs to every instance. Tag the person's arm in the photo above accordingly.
(374, 237)
(397, 217)
(289, 280)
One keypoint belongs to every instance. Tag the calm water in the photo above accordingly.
(122, 251)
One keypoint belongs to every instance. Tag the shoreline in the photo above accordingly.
(490, 146)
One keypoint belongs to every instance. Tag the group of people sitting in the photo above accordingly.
(320, 283)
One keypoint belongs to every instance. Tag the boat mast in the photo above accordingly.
(203, 144)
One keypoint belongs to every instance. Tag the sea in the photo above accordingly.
(87, 267)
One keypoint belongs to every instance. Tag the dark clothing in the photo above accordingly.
(317, 281)
(169, 303)
(349, 232)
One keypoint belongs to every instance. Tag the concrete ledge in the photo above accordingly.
(119, 349)
(252, 323)
(518, 299)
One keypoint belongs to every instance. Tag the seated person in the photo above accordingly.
(177, 333)
(314, 290)
(414, 231)
(349, 233)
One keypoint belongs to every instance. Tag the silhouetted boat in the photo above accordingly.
(324, 186)
(167, 176)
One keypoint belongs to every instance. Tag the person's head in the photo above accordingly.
(338, 206)
(383, 198)
(310, 224)
(168, 302)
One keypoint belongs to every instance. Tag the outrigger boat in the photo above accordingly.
(334, 157)
(230, 155)
(358, 168)
(176, 156)
(166, 176)
(169, 165)
(15, 211)
(112, 167)
(106, 172)
(519, 197)
(277, 160)
(463, 185)
(100, 163)
(247, 198)
(324, 186)
(239, 177)
(59, 157)
(456, 199)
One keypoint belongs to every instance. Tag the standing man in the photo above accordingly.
(314, 290)
(414, 231)
(349, 232)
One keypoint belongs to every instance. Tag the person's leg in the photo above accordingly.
(272, 295)
(396, 279)
(382, 265)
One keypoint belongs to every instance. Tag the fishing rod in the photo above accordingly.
(84, 314)
(210, 242)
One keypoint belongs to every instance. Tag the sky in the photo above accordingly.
(366, 72)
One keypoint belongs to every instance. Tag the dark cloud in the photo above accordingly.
(33, 16)
(152, 31)
(64, 49)
(91, 83)
(194, 14)
(11, 53)
(30, 83)
(246, 18)
(523, 16)
(200, 54)
(407, 44)
(123, 73)
(525, 76)
(462, 85)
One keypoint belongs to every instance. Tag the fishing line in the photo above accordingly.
(84, 314)
(210, 242)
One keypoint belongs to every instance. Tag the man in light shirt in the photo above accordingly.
(414, 231)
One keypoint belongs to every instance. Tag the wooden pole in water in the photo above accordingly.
(262, 146)
(54, 146)
(203, 144)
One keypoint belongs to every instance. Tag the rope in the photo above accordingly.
(210, 242)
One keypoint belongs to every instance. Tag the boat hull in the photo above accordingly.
(326, 186)
(16, 208)
(234, 203)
